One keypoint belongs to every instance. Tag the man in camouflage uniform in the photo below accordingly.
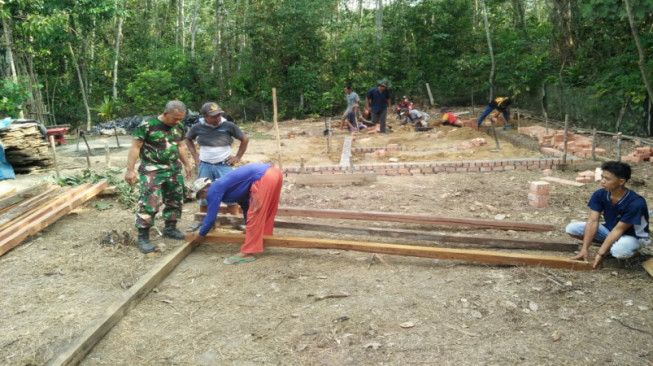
(159, 145)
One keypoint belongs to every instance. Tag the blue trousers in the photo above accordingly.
(213, 172)
(488, 110)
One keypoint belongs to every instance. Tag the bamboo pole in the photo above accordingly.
(276, 125)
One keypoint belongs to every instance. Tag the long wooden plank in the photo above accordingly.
(407, 218)
(468, 255)
(317, 179)
(563, 181)
(51, 216)
(8, 192)
(98, 328)
(23, 194)
(446, 240)
(27, 205)
(43, 210)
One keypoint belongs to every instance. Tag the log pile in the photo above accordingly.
(25, 148)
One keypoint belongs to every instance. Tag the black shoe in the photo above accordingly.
(170, 231)
(144, 244)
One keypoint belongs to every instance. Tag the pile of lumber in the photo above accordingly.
(25, 148)
(29, 211)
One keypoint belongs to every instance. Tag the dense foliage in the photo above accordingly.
(583, 53)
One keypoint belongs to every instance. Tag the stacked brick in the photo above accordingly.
(470, 144)
(641, 154)
(587, 176)
(577, 145)
(378, 152)
(433, 167)
(539, 194)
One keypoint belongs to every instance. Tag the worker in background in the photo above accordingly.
(352, 107)
(501, 104)
(449, 119)
(215, 135)
(626, 216)
(378, 102)
(158, 143)
(419, 119)
(404, 103)
(256, 188)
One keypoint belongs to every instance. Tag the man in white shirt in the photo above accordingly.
(214, 136)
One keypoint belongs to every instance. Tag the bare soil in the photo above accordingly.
(321, 307)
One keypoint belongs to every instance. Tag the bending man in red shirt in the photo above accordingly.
(256, 188)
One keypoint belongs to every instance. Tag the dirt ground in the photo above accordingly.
(326, 307)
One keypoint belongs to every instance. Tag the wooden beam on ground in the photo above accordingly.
(99, 327)
(31, 227)
(648, 266)
(42, 211)
(412, 219)
(467, 255)
(8, 192)
(405, 218)
(563, 181)
(27, 205)
(447, 240)
(338, 179)
(23, 194)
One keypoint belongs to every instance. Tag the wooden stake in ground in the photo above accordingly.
(428, 90)
(496, 139)
(594, 144)
(276, 125)
(478, 256)
(54, 157)
(619, 146)
(108, 152)
(88, 151)
(564, 152)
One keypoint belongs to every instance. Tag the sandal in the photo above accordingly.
(237, 260)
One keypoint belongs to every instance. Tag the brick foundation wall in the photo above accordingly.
(423, 168)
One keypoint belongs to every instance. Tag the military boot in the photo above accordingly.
(170, 231)
(143, 243)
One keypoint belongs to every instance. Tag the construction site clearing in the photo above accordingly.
(438, 247)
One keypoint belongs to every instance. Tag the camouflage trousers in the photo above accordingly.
(168, 185)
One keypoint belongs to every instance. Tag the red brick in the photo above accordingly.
(540, 188)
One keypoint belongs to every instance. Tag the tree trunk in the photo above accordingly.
(116, 59)
(518, 17)
(640, 50)
(10, 57)
(379, 21)
(360, 18)
(183, 26)
(489, 45)
(81, 86)
(193, 30)
(177, 23)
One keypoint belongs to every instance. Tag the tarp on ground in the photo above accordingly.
(6, 170)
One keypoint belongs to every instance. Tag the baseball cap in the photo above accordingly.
(200, 184)
(383, 82)
(211, 109)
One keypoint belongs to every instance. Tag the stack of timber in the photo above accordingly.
(34, 209)
(25, 148)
